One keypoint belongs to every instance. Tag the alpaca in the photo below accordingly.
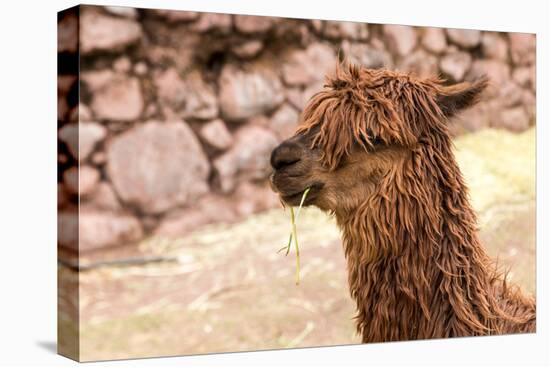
(375, 150)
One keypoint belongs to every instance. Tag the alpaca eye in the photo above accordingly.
(373, 142)
(370, 139)
(376, 141)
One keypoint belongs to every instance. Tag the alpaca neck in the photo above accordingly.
(416, 267)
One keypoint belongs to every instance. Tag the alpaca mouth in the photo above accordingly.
(295, 199)
(293, 196)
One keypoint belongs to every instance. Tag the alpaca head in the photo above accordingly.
(363, 124)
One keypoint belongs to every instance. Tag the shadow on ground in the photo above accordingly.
(49, 346)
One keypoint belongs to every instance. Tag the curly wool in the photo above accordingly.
(416, 266)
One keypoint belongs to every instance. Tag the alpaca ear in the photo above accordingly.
(454, 98)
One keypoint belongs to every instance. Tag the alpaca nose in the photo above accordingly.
(286, 154)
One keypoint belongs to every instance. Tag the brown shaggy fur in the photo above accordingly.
(375, 147)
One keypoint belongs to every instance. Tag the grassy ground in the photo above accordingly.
(229, 290)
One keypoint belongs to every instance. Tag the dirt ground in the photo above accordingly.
(225, 287)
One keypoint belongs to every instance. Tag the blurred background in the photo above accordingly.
(172, 115)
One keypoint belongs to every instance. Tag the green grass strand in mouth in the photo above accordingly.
(293, 234)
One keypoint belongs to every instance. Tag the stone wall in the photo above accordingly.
(179, 110)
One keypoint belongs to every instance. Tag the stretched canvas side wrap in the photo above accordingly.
(178, 136)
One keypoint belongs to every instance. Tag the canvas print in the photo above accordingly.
(232, 183)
